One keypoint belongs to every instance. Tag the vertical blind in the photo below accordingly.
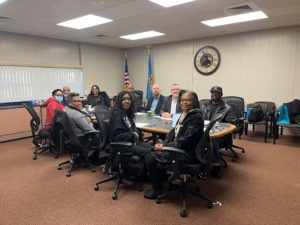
(19, 83)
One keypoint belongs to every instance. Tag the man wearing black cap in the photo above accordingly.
(211, 110)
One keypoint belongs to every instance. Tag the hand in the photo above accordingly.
(166, 115)
(158, 147)
(136, 136)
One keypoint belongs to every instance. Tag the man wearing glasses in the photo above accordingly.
(171, 105)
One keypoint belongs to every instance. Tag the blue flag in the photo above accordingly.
(149, 83)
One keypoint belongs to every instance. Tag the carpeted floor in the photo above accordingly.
(261, 187)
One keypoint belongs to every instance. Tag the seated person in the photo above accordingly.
(186, 135)
(66, 91)
(137, 99)
(55, 102)
(171, 104)
(211, 110)
(156, 101)
(82, 123)
(97, 97)
(122, 126)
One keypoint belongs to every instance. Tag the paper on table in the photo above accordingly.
(140, 113)
(141, 124)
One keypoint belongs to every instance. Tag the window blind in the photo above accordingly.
(19, 83)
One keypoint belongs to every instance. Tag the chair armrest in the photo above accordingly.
(121, 144)
(173, 149)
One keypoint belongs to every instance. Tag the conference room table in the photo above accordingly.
(158, 125)
(161, 126)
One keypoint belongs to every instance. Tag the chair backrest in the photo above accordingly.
(237, 105)
(138, 99)
(70, 137)
(35, 119)
(204, 149)
(268, 107)
(103, 126)
(103, 110)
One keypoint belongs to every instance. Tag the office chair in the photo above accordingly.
(203, 101)
(138, 100)
(180, 172)
(269, 112)
(116, 166)
(235, 117)
(79, 152)
(41, 138)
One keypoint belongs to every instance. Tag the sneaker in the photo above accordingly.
(153, 193)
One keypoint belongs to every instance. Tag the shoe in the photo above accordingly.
(153, 193)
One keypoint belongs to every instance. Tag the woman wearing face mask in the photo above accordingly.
(55, 102)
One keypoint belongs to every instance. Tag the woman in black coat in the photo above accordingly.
(97, 97)
(186, 135)
(122, 125)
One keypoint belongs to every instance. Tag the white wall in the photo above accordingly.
(262, 65)
(101, 65)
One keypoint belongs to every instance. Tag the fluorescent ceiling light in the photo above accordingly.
(84, 22)
(235, 19)
(142, 35)
(1, 1)
(169, 3)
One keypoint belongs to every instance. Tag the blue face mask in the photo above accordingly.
(59, 98)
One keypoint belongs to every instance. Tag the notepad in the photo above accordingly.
(175, 118)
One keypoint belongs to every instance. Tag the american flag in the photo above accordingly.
(126, 75)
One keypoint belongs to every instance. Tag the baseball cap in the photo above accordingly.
(216, 89)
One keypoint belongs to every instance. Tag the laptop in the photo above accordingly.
(175, 118)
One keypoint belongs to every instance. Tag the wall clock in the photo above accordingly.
(207, 60)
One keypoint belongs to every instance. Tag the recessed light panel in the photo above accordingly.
(1, 1)
(235, 19)
(142, 35)
(169, 3)
(84, 22)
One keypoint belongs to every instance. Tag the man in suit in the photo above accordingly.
(171, 104)
(156, 101)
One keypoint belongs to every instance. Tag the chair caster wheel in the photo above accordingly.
(68, 174)
(183, 213)
(96, 188)
(140, 187)
(34, 158)
(209, 205)
(93, 170)
(158, 201)
(114, 197)
(243, 151)
(56, 156)
(59, 167)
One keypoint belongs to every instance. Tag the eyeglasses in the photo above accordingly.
(186, 100)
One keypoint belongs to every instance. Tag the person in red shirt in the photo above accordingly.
(55, 102)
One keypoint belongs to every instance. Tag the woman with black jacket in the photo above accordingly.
(97, 97)
(186, 135)
(122, 125)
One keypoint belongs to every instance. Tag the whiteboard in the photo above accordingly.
(19, 83)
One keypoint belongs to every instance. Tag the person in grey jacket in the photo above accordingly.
(82, 121)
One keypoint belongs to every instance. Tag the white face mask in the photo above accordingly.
(59, 98)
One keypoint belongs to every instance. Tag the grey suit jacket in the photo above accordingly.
(167, 105)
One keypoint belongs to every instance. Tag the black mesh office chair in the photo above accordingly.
(41, 138)
(79, 151)
(180, 173)
(116, 166)
(236, 117)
